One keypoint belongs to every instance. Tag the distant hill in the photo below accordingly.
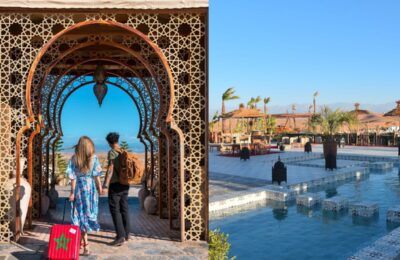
(301, 108)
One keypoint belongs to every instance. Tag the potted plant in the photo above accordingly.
(24, 195)
(330, 122)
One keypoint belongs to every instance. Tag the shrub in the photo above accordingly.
(218, 246)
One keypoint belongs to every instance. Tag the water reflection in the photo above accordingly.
(331, 192)
(328, 215)
(365, 221)
(280, 209)
(280, 214)
(308, 211)
(391, 225)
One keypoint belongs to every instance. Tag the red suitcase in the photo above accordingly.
(64, 241)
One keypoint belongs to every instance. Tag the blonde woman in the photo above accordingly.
(84, 171)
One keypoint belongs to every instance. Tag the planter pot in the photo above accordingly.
(150, 205)
(53, 196)
(45, 204)
(142, 195)
(330, 154)
(24, 194)
(308, 147)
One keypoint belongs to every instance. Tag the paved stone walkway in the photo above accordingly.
(221, 183)
(150, 237)
(259, 167)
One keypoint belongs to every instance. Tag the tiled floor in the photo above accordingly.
(229, 174)
(321, 163)
(150, 237)
(260, 167)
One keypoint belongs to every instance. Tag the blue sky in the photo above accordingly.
(83, 116)
(347, 50)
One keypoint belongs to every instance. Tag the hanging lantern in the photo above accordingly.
(99, 74)
(100, 91)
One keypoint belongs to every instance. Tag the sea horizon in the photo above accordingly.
(102, 148)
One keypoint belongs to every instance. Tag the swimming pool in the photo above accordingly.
(287, 231)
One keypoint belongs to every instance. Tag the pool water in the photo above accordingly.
(292, 232)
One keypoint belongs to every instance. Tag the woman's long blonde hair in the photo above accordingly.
(84, 152)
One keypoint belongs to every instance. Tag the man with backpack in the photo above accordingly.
(117, 192)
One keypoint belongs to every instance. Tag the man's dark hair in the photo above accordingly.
(112, 138)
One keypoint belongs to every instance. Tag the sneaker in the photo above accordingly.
(127, 238)
(118, 242)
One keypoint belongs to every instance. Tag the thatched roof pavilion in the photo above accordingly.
(395, 111)
(244, 113)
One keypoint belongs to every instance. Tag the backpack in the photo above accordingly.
(131, 168)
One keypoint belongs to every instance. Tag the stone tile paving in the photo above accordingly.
(385, 248)
(221, 184)
(360, 150)
(260, 167)
(320, 163)
(136, 248)
(150, 238)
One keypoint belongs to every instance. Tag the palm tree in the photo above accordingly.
(256, 100)
(270, 124)
(316, 94)
(125, 146)
(213, 121)
(211, 125)
(266, 101)
(294, 118)
(250, 104)
(226, 96)
(331, 121)
(60, 163)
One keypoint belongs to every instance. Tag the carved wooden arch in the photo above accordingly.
(152, 103)
(97, 59)
(59, 126)
(134, 31)
(30, 168)
(57, 120)
(55, 135)
(168, 118)
(58, 123)
(83, 45)
(143, 130)
(142, 135)
(148, 67)
(151, 141)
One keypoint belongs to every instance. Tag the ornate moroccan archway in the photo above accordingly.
(171, 46)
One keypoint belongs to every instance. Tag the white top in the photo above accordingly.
(104, 4)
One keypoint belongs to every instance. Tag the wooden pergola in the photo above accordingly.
(155, 51)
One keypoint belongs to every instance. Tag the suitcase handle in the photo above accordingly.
(65, 205)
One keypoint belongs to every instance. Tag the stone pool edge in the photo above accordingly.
(228, 204)
(386, 247)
